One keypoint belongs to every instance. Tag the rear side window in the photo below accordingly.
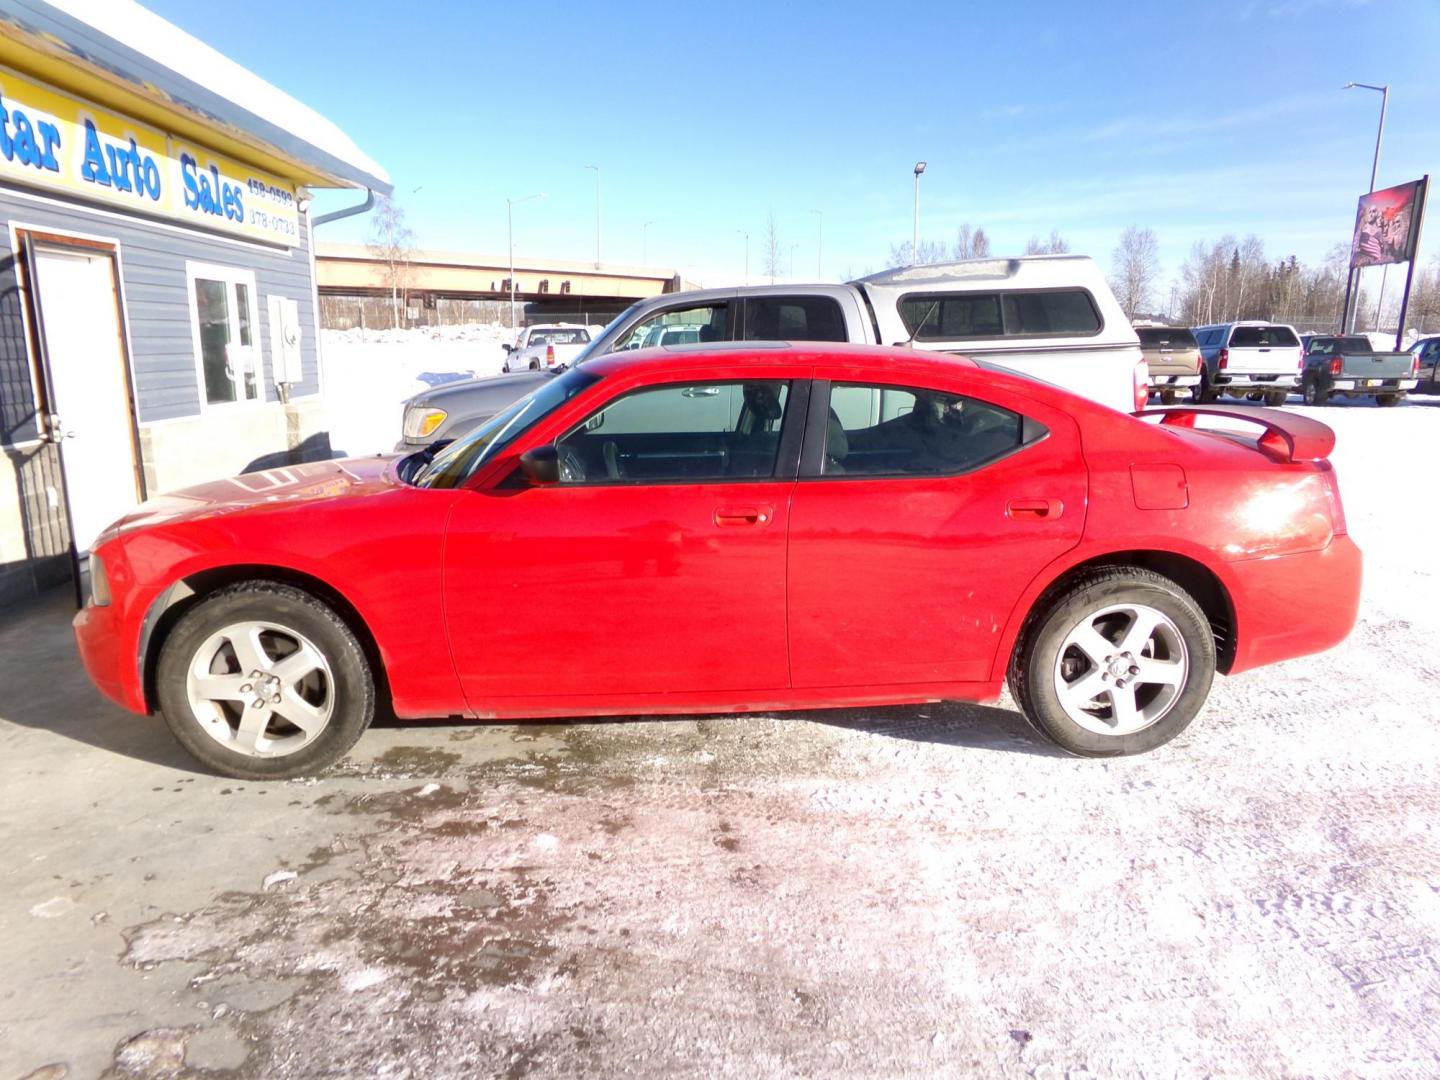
(793, 318)
(954, 316)
(905, 431)
(1262, 337)
(1165, 337)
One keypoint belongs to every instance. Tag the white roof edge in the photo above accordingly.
(140, 29)
(994, 268)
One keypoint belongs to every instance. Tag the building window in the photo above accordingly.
(223, 323)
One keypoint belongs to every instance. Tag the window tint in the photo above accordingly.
(707, 322)
(901, 431)
(1165, 337)
(948, 316)
(793, 318)
(680, 433)
(1065, 311)
(1262, 337)
(559, 337)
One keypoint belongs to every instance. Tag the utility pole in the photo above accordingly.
(597, 213)
(915, 234)
(510, 232)
(644, 243)
(819, 241)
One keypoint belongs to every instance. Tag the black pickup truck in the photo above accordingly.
(1348, 366)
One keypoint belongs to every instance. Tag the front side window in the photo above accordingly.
(222, 313)
(706, 322)
(906, 431)
(680, 433)
(793, 318)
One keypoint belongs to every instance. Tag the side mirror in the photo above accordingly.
(508, 347)
(541, 465)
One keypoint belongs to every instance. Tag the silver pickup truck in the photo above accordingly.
(1349, 366)
(1050, 316)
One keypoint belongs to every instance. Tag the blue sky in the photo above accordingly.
(1195, 119)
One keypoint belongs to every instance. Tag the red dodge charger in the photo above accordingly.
(727, 529)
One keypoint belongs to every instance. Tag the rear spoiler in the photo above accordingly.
(1287, 436)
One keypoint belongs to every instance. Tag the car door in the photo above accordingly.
(656, 565)
(918, 519)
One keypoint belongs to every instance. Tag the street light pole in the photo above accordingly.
(915, 234)
(510, 234)
(819, 241)
(644, 243)
(597, 213)
(1384, 92)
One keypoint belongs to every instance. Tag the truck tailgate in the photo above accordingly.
(1385, 365)
(1263, 360)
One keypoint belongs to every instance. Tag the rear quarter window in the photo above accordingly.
(955, 316)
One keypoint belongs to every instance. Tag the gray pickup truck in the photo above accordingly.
(1348, 366)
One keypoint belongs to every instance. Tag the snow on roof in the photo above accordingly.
(145, 48)
(973, 270)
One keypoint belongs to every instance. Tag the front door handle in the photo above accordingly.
(1034, 509)
(732, 516)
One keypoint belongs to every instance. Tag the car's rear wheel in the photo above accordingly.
(1205, 393)
(1389, 399)
(1119, 662)
(263, 681)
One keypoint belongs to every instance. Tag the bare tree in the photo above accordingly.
(773, 260)
(392, 242)
(1136, 265)
(980, 245)
(970, 243)
(1056, 245)
(931, 251)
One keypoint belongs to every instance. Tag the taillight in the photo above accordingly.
(1332, 496)
(549, 355)
(1415, 366)
(1199, 363)
(1142, 385)
(1224, 359)
(1299, 359)
(1336, 365)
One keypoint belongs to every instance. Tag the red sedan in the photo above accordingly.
(732, 529)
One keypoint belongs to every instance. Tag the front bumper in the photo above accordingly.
(110, 657)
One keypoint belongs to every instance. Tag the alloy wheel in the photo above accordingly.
(1121, 669)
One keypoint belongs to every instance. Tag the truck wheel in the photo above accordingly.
(1167, 397)
(1205, 393)
(1276, 398)
(1311, 392)
(1389, 399)
(534, 365)
(262, 681)
(1118, 663)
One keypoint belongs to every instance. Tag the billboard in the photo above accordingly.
(1387, 224)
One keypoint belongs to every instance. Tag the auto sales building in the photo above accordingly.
(158, 313)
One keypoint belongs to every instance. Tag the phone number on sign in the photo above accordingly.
(272, 223)
(270, 191)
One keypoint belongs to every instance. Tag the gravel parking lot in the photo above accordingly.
(900, 892)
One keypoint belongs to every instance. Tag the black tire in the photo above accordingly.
(534, 365)
(353, 685)
(1032, 672)
(1167, 397)
(1205, 394)
(1276, 398)
(1311, 392)
(1388, 400)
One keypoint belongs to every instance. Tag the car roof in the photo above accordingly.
(767, 354)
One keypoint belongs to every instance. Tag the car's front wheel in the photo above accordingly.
(263, 681)
(1119, 662)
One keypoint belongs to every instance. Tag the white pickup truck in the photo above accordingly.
(546, 346)
(1050, 316)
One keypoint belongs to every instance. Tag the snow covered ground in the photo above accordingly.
(917, 892)
(370, 373)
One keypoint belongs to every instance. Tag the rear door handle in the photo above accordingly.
(733, 516)
(1030, 509)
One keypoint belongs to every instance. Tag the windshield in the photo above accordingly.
(558, 337)
(458, 461)
(1331, 346)
(601, 342)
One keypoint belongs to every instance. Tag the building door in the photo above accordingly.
(87, 382)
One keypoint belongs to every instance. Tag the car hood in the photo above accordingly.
(286, 486)
(505, 388)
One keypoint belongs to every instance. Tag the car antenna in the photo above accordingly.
(909, 343)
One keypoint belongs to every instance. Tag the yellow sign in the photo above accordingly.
(50, 140)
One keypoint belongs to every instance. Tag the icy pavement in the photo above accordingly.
(900, 892)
